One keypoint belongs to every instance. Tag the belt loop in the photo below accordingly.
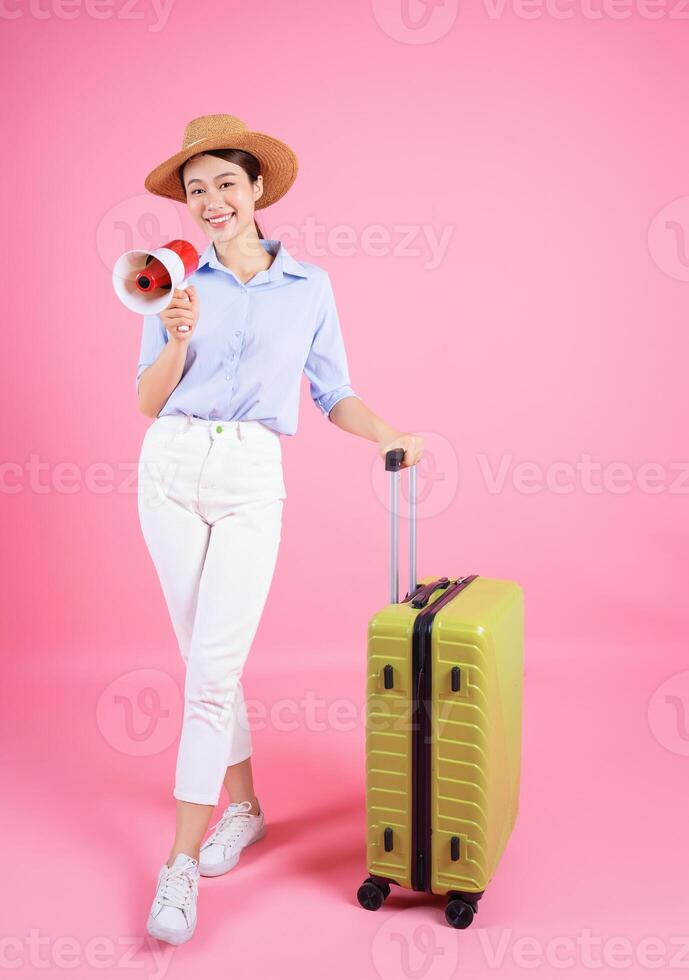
(240, 436)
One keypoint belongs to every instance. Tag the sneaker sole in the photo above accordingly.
(214, 870)
(173, 936)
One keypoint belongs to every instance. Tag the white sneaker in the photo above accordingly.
(236, 829)
(173, 914)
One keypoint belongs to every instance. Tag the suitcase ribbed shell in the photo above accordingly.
(476, 735)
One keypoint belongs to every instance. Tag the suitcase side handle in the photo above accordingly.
(393, 463)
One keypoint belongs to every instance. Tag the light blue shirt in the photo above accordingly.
(252, 342)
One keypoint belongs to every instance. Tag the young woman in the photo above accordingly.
(219, 372)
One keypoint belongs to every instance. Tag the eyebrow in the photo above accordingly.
(197, 180)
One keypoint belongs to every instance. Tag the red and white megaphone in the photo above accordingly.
(145, 281)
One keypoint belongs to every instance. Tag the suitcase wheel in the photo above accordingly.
(372, 894)
(459, 913)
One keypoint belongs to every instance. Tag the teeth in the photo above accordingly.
(221, 221)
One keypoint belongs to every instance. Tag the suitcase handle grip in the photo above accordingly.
(426, 591)
(394, 459)
(393, 463)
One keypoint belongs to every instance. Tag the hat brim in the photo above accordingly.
(278, 165)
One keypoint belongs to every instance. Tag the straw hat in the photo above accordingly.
(206, 133)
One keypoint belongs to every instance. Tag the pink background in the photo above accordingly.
(553, 328)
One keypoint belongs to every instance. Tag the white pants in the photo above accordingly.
(210, 501)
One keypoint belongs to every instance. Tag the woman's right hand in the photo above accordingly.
(183, 311)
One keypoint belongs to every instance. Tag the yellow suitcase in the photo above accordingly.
(443, 730)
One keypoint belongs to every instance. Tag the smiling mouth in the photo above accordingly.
(221, 219)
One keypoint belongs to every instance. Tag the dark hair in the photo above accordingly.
(247, 161)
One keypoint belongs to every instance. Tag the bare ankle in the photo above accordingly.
(255, 806)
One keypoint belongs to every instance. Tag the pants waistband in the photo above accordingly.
(240, 429)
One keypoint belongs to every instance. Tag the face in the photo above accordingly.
(218, 189)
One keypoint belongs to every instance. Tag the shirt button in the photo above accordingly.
(218, 428)
(237, 333)
(227, 377)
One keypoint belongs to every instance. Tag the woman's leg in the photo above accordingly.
(238, 779)
(193, 818)
(177, 540)
(200, 564)
(192, 821)
(239, 783)
(234, 586)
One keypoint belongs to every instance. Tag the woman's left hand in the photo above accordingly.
(410, 442)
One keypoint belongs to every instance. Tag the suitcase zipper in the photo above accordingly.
(422, 732)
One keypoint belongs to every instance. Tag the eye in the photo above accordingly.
(225, 183)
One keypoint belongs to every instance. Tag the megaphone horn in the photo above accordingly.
(145, 281)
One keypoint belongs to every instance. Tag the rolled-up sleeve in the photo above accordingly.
(326, 365)
(153, 339)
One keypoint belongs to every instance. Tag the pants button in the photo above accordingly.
(218, 428)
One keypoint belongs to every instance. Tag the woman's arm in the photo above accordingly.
(159, 380)
(163, 374)
(353, 416)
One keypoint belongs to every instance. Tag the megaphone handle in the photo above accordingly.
(183, 285)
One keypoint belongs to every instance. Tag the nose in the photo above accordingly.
(215, 202)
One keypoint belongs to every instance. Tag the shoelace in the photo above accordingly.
(230, 824)
(177, 886)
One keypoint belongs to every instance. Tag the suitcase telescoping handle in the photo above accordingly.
(393, 463)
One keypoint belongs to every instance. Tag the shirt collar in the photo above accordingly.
(283, 261)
